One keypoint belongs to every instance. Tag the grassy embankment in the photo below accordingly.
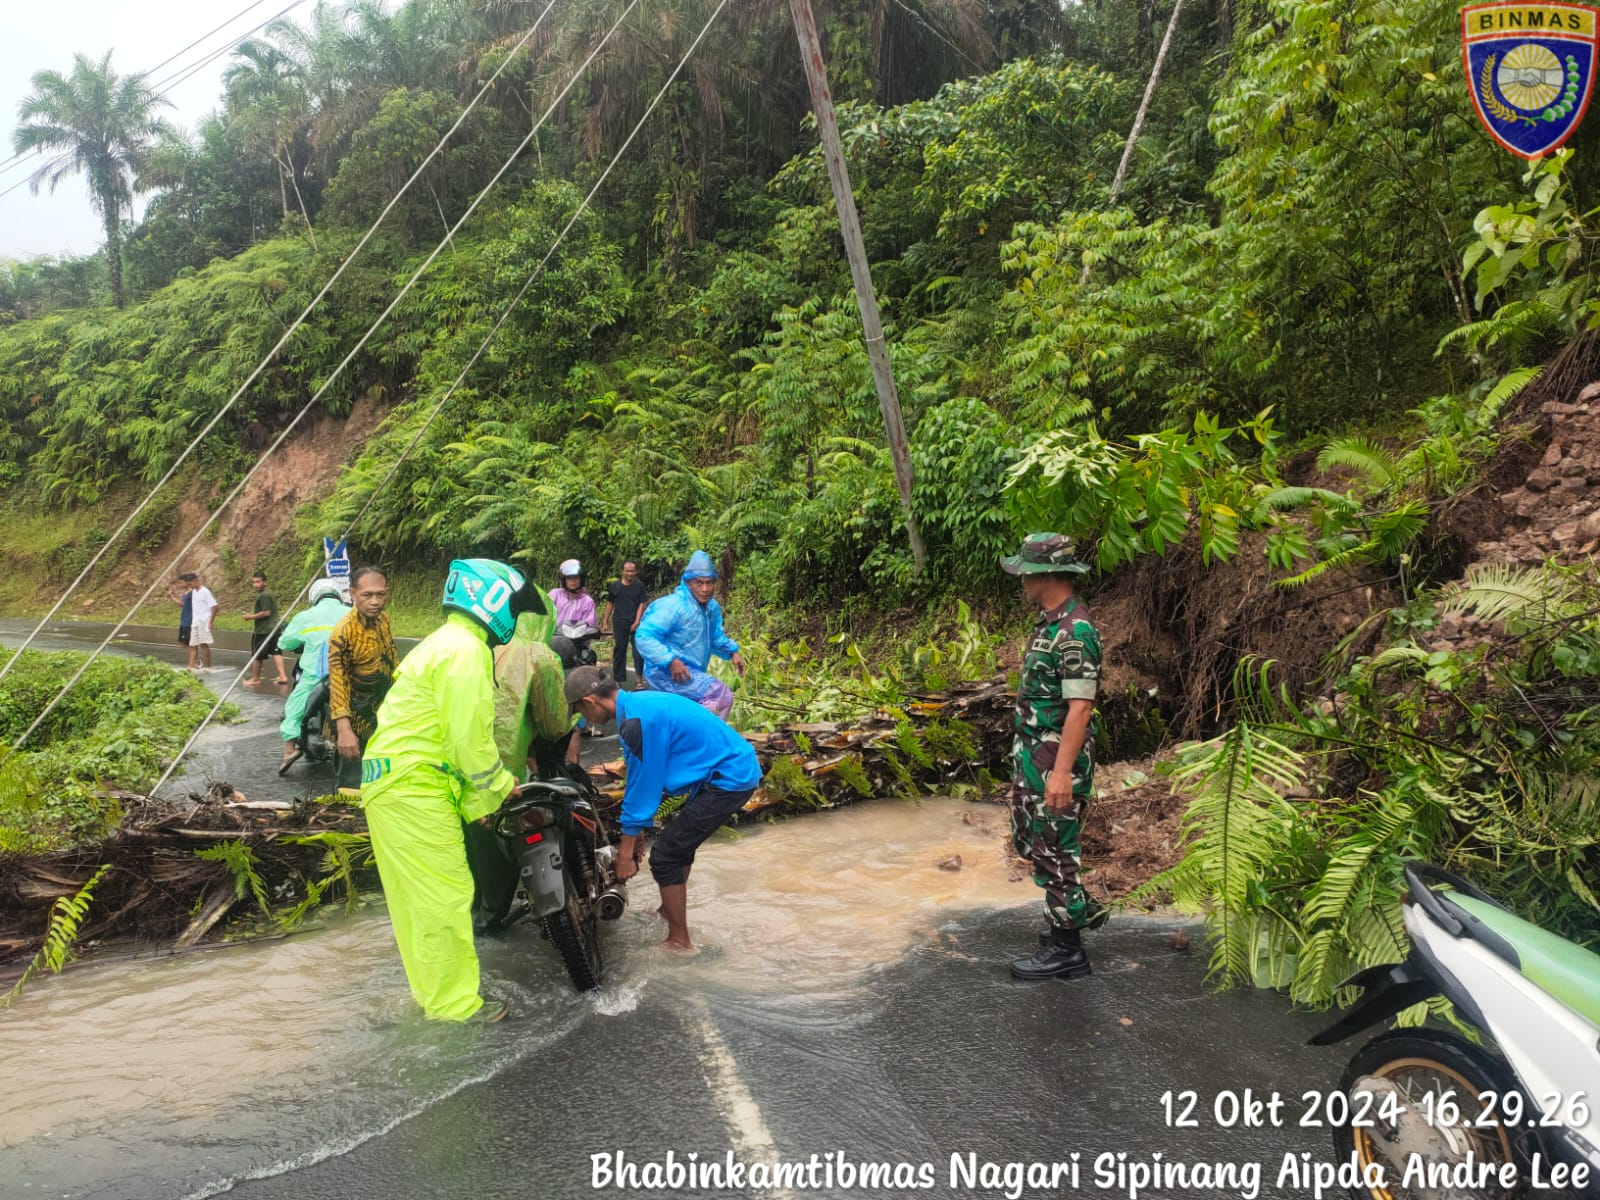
(114, 732)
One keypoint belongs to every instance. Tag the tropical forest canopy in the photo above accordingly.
(1314, 236)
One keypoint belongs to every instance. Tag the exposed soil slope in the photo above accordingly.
(302, 470)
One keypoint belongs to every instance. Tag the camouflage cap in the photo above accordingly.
(585, 681)
(1045, 554)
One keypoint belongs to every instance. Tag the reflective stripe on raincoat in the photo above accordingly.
(307, 635)
(438, 718)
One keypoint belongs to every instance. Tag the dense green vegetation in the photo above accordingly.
(116, 731)
(1480, 760)
(1316, 246)
(688, 369)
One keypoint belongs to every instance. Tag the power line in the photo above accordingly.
(173, 81)
(938, 33)
(288, 333)
(477, 354)
(218, 29)
(283, 435)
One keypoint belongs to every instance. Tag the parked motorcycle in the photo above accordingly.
(548, 856)
(573, 643)
(1530, 1096)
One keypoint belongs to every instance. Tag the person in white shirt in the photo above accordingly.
(199, 607)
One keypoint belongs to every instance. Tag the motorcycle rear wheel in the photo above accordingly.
(1418, 1062)
(573, 930)
(316, 731)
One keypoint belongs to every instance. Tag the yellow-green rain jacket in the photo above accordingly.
(438, 720)
(529, 697)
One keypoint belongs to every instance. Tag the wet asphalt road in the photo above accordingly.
(936, 1054)
(930, 1053)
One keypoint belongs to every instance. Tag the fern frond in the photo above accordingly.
(1395, 656)
(1349, 556)
(1361, 455)
(241, 861)
(66, 919)
(1498, 592)
(1509, 385)
(1285, 498)
(1239, 822)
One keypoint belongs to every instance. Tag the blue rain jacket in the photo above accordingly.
(679, 626)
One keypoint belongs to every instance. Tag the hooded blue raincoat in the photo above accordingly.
(679, 626)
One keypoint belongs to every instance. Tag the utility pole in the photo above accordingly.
(805, 28)
(1138, 119)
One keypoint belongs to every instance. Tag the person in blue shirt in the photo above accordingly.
(670, 746)
(680, 632)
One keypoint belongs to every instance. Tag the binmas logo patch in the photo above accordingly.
(1530, 69)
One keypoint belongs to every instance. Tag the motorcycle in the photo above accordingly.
(316, 741)
(1427, 1097)
(547, 855)
(574, 644)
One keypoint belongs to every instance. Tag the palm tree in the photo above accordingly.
(96, 123)
(349, 57)
(683, 145)
(266, 100)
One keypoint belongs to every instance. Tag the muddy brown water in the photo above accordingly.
(177, 1076)
(850, 998)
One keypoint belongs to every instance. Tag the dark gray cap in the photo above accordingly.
(585, 681)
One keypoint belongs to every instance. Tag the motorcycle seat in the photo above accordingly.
(1567, 971)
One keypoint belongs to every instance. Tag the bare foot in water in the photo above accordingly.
(673, 947)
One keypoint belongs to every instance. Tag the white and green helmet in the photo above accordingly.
(492, 593)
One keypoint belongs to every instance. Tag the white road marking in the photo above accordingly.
(752, 1140)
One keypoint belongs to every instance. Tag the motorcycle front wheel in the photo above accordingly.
(1432, 1076)
(574, 932)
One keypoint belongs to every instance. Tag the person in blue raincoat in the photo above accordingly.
(680, 632)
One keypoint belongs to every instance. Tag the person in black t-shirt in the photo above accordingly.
(264, 640)
(624, 606)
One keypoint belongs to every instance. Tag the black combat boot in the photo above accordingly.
(1063, 958)
(1095, 915)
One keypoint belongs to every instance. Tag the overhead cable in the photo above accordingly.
(461, 376)
(177, 78)
(290, 332)
(283, 435)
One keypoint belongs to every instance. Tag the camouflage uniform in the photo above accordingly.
(1062, 663)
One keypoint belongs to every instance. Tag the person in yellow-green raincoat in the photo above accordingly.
(433, 764)
(538, 739)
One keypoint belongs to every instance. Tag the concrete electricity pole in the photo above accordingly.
(805, 28)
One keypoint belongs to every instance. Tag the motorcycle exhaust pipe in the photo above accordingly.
(613, 902)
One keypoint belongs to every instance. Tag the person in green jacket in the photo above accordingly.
(307, 635)
(432, 765)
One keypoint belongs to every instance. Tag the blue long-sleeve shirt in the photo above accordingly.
(671, 745)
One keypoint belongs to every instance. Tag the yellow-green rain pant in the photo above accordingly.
(422, 860)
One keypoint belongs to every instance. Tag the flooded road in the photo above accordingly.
(850, 999)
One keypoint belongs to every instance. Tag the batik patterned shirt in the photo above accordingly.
(361, 664)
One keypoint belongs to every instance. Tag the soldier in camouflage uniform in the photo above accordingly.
(1053, 754)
